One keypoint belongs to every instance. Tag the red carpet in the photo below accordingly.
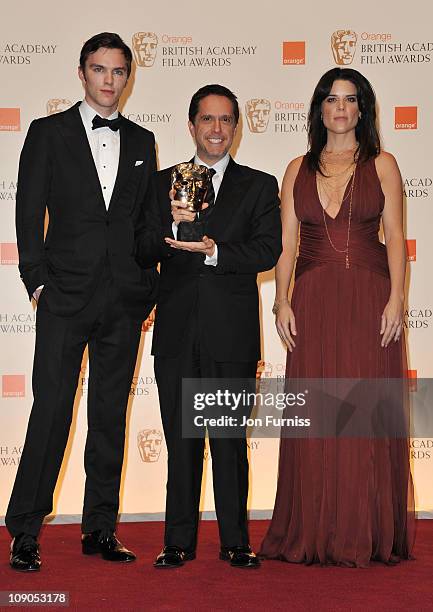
(210, 584)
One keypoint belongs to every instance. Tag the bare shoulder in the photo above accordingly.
(293, 169)
(386, 164)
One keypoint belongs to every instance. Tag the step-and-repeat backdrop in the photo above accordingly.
(271, 55)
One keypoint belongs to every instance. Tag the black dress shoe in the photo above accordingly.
(171, 557)
(24, 555)
(240, 556)
(105, 543)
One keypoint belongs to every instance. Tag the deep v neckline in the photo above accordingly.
(346, 189)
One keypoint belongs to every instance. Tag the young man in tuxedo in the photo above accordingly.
(207, 320)
(90, 168)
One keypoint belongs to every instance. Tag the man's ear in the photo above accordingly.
(191, 129)
(81, 75)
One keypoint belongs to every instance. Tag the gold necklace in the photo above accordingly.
(329, 160)
(328, 165)
(331, 191)
(326, 152)
(329, 175)
(346, 250)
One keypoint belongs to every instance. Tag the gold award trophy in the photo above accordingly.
(190, 183)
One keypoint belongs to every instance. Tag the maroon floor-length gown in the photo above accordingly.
(342, 500)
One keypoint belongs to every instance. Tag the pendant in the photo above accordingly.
(347, 261)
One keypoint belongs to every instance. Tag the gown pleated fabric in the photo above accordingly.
(342, 501)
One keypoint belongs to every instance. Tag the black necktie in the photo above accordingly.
(210, 196)
(113, 124)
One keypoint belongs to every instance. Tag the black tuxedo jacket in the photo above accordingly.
(57, 173)
(245, 224)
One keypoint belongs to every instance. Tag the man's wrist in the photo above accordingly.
(212, 260)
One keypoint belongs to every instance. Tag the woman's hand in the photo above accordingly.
(392, 321)
(285, 323)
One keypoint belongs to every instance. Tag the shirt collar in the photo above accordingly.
(219, 167)
(87, 114)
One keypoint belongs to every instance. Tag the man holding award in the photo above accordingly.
(207, 320)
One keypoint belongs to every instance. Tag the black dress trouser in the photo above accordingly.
(185, 455)
(112, 337)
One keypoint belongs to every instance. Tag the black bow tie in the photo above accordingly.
(113, 124)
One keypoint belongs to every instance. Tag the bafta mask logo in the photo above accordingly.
(57, 105)
(257, 111)
(149, 443)
(343, 45)
(144, 46)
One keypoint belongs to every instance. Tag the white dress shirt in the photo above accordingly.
(105, 146)
(220, 168)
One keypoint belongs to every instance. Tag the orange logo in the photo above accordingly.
(8, 254)
(264, 369)
(293, 53)
(412, 376)
(411, 250)
(13, 385)
(406, 118)
(10, 120)
(343, 45)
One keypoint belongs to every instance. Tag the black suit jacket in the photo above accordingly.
(57, 172)
(246, 226)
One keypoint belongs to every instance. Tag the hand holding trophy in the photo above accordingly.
(190, 183)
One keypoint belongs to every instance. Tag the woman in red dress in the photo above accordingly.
(342, 500)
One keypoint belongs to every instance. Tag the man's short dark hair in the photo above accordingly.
(107, 40)
(212, 90)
